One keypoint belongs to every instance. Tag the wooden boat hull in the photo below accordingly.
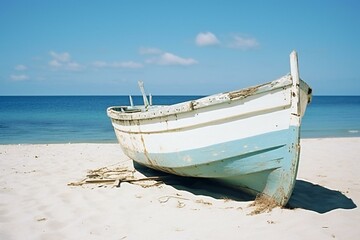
(247, 138)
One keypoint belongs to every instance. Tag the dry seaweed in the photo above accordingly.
(263, 204)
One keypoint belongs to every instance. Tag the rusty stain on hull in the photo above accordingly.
(146, 152)
(244, 92)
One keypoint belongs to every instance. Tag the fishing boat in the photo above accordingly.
(248, 138)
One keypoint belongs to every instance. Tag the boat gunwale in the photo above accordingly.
(183, 107)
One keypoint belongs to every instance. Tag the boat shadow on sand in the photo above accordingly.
(313, 197)
(306, 195)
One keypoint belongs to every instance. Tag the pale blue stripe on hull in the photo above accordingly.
(244, 156)
(265, 163)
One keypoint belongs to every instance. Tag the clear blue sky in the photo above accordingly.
(180, 47)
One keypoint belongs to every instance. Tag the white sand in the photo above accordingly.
(36, 203)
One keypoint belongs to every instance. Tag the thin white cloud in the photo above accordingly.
(62, 61)
(100, 64)
(149, 51)
(127, 64)
(239, 41)
(243, 42)
(171, 59)
(55, 63)
(206, 39)
(21, 77)
(74, 66)
(61, 57)
(21, 67)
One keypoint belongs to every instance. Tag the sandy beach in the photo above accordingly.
(36, 201)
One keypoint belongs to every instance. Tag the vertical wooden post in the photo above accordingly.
(294, 68)
(294, 71)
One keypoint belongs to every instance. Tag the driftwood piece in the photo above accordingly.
(116, 176)
(100, 181)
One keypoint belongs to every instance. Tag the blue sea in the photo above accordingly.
(72, 119)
